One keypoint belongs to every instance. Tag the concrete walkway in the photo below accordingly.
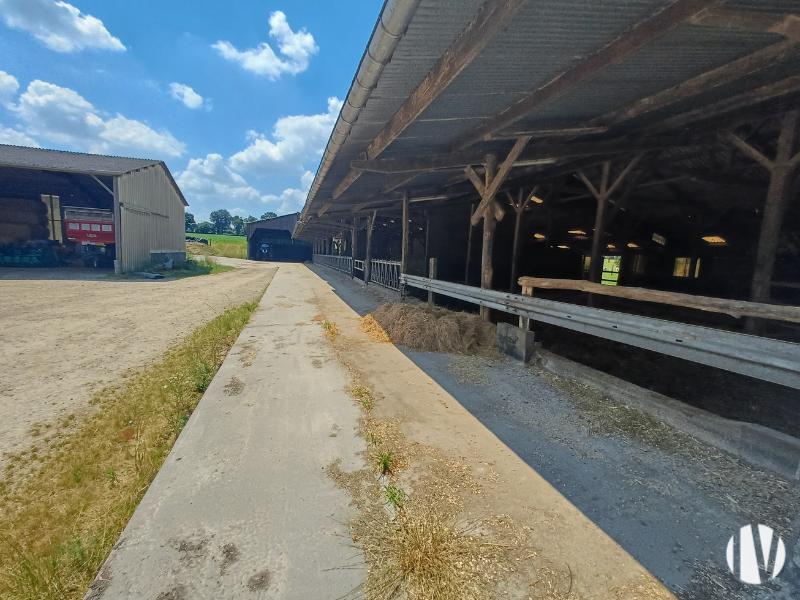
(242, 507)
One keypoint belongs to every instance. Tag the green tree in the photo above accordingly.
(205, 227)
(238, 225)
(250, 219)
(268, 215)
(191, 226)
(222, 221)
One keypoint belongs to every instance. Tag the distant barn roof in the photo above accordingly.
(77, 162)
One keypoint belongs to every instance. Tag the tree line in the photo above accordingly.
(223, 222)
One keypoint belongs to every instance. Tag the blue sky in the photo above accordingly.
(237, 97)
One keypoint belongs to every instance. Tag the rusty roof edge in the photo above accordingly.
(389, 29)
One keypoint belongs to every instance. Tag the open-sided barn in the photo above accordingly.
(639, 157)
(100, 209)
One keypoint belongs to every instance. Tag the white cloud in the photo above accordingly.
(61, 26)
(185, 94)
(8, 87)
(297, 48)
(62, 115)
(211, 182)
(297, 139)
(211, 178)
(292, 199)
(16, 138)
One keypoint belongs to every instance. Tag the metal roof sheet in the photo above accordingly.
(544, 39)
(72, 162)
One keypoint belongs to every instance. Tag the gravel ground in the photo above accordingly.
(670, 501)
(67, 333)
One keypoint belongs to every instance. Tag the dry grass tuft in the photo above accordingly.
(436, 329)
(61, 514)
(331, 331)
(363, 395)
(375, 332)
(426, 555)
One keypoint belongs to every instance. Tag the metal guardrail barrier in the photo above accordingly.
(340, 263)
(358, 265)
(762, 358)
(386, 273)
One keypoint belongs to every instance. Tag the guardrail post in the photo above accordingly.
(432, 267)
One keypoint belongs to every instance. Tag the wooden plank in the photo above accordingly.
(400, 180)
(734, 308)
(492, 17)
(739, 102)
(706, 81)
(625, 45)
(450, 160)
(747, 149)
(497, 180)
(537, 153)
(785, 24)
(346, 182)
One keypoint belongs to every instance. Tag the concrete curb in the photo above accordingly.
(755, 444)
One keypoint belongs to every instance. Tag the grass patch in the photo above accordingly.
(223, 237)
(231, 246)
(60, 517)
(331, 331)
(384, 461)
(190, 268)
(363, 395)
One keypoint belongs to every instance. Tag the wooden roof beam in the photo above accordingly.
(625, 45)
(493, 17)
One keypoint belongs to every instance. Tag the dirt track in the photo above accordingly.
(64, 334)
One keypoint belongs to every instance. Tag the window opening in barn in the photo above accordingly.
(683, 267)
(610, 275)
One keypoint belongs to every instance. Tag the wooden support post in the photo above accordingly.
(469, 244)
(432, 268)
(354, 235)
(117, 228)
(427, 235)
(598, 239)
(404, 247)
(519, 206)
(368, 249)
(489, 226)
(602, 195)
(781, 170)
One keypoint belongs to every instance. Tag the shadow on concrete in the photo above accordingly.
(670, 501)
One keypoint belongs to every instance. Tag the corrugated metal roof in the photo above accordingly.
(72, 162)
(284, 222)
(545, 38)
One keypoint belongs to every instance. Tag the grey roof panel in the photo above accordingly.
(73, 162)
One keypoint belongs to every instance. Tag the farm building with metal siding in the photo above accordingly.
(103, 210)
(271, 239)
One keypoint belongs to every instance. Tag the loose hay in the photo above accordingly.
(375, 332)
(436, 329)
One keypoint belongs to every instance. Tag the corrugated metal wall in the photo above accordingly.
(152, 217)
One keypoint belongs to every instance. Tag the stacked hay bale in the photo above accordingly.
(22, 220)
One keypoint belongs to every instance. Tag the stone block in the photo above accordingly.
(515, 342)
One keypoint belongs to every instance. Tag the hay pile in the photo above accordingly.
(375, 332)
(436, 329)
